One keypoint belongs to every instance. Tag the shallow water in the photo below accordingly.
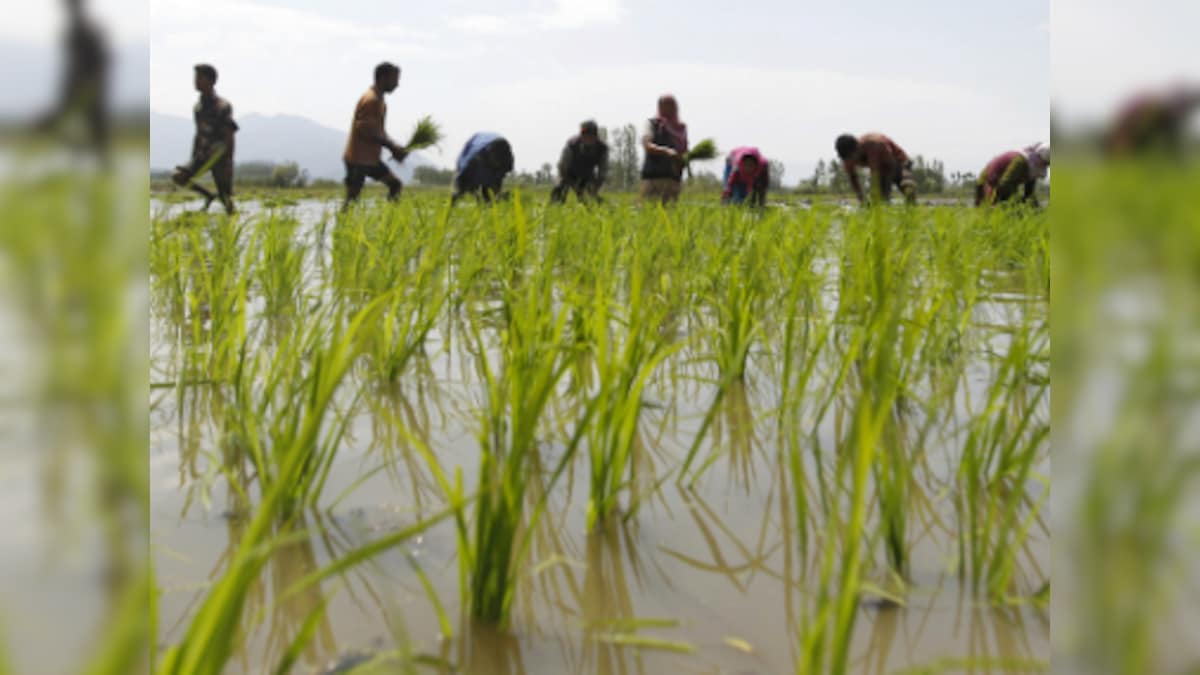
(719, 565)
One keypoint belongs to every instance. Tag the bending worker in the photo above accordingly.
(747, 175)
(583, 165)
(1011, 171)
(482, 165)
(888, 163)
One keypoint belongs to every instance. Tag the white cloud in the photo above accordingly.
(564, 15)
(274, 59)
(1105, 50)
(486, 24)
(580, 13)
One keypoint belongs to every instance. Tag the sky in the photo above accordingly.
(30, 53)
(1105, 49)
(954, 80)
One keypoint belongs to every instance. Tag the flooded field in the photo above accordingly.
(622, 440)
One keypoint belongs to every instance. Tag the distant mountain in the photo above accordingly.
(274, 138)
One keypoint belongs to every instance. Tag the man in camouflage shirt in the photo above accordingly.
(583, 166)
(212, 148)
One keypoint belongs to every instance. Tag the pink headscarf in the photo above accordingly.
(736, 156)
(676, 129)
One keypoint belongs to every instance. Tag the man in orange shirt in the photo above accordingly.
(368, 138)
(888, 163)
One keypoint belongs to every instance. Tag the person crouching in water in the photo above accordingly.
(665, 142)
(1008, 172)
(747, 175)
(583, 165)
(888, 163)
(482, 165)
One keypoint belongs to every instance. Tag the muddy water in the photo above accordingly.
(717, 568)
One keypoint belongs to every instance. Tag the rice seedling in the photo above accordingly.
(517, 391)
(702, 151)
(426, 134)
(623, 373)
(871, 343)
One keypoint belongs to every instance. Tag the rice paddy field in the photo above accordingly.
(621, 439)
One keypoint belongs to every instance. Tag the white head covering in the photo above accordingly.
(1038, 156)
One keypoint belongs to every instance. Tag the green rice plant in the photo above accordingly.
(519, 382)
(73, 264)
(517, 392)
(292, 459)
(284, 402)
(1126, 234)
(215, 631)
(623, 373)
(280, 267)
(828, 625)
(419, 299)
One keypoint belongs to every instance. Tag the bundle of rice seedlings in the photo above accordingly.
(427, 134)
(704, 150)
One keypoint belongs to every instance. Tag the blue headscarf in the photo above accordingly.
(474, 146)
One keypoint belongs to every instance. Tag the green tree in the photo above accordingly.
(431, 175)
(930, 176)
(777, 170)
(623, 158)
(288, 174)
(839, 182)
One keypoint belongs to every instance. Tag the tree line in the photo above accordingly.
(259, 174)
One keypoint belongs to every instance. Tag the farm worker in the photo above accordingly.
(1152, 121)
(212, 148)
(482, 165)
(583, 165)
(665, 141)
(888, 163)
(747, 174)
(83, 90)
(368, 137)
(1007, 172)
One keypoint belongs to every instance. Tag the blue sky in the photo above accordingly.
(955, 80)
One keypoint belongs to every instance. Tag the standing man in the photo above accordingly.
(583, 166)
(84, 88)
(213, 146)
(665, 141)
(482, 165)
(888, 163)
(368, 138)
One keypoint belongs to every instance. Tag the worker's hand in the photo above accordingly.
(399, 153)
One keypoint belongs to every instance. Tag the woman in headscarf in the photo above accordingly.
(747, 174)
(1008, 172)
(666, 144)
(1153, 122)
